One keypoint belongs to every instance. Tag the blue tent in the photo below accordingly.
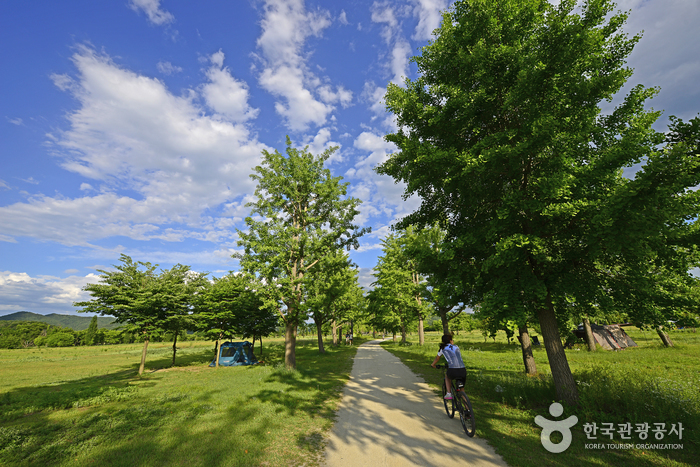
(235, 354)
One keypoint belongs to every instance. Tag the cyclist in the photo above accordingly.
(455, 365)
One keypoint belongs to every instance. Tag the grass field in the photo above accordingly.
(87, 406)
(649, 384)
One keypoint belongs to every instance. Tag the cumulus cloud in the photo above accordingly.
(131, 133)
(168, 68)
(321, 142)
(226, 95)
(343, 18)
(153, 11)
(382, 198)
(42, 294)
(286, 26)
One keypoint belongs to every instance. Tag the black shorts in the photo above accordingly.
(457, 373)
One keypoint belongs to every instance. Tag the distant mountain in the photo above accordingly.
(77, 323)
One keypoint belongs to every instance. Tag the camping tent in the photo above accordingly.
(235, 354)
(610, 337)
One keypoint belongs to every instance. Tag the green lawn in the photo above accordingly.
(87, 406)
(649, 384)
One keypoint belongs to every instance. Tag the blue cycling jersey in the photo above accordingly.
(452, 355)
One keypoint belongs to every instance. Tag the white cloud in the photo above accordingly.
(321, 142)
(42, 294)
(3, 184)
(382, 198)
(286, 26)
(343, 18)
(429, 14)
(365, 277)
(341, 95)
(153, 11)
(168, 68)
(397, 63)
(15, 121)
(226, 95)
(131, 133)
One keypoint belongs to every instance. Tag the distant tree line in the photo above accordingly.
(32, 334)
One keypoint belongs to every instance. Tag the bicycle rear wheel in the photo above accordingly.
(449, 404)
(466, 414)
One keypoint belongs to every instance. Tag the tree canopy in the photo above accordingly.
(503, 139)
(300, 214)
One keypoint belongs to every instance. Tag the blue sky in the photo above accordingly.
(132, 126)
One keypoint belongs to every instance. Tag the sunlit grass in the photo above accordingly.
(649, 383)
(87, 406)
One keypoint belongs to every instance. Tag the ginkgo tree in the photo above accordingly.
(503, 139)
(334, 293)
(144, 301)
(300, 214)
(399, 288)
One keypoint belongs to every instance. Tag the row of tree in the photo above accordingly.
(27, 334)
(294, 266)
(525, 211)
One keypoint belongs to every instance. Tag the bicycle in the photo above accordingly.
(460, 401)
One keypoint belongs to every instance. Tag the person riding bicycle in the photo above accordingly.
(455, 365)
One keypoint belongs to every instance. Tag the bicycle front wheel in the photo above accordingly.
(466, 414)
(449, 404)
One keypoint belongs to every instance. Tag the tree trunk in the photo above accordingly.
(334, 328)
(445, 322)
(561, 372)
(320, 338)
(290, 345)
(143, 356)
(664, 337)
(403, 333)
(174, 347)
(394, 336)
(421, 334)
(589, 334)
(218, 351)
(526, 346)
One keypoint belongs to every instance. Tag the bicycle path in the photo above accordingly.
(390, 417)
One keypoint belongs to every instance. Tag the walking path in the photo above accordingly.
(390, 417)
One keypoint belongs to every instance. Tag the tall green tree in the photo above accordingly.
(502, 138)
(91, 331)
(178, 288)
(231, 306)
(303, 213)
(132, 295)
(399, 287)
(334, 292)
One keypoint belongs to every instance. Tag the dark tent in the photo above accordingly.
(235, 354)
(610, 337)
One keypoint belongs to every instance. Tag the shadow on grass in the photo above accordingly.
(120, 419)
(506, 402)
(142, 433)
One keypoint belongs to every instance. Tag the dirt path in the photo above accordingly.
(390, 417)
